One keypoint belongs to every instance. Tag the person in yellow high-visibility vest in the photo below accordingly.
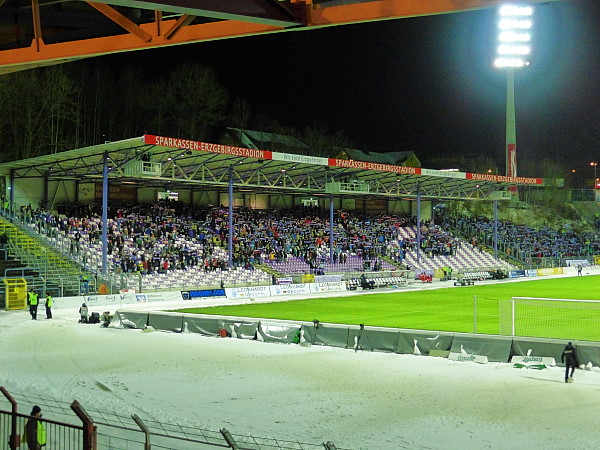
(35, 433)
(48, 306)
(33, 301)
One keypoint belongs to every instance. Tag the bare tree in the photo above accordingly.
(196, 101)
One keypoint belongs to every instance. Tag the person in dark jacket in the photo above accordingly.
(569, 357)
(35, 433)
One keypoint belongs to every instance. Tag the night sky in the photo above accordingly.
(422, 84)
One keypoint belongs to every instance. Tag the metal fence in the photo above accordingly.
(58, 434)
(109, 430)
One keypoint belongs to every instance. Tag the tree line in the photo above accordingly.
(64, 107)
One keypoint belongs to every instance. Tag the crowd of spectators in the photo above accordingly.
(523, 242)
(169, 235)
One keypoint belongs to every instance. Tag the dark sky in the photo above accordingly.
(424, 84)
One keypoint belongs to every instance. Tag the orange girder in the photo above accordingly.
(120, 20)
(127, 42)
(153, 35)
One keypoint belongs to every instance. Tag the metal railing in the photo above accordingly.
(110, 430)
(60, 435)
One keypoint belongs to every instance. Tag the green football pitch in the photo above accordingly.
(469, 309)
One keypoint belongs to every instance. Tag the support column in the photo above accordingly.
(11, 206)
(230, 231)
(496, 229)
(418, 223)
(105, 214)
(45, 193)
(76, 191)
(511, 133)
(331, 228)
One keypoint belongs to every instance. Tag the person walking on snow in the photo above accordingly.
(33, 300)
(48, 306)
(569, 357)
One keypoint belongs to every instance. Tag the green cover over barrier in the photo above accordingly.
(496, 348)
(309, 333)
(391, 340)
(587, 352)
(551, 348)
(373, 339)
(425, 341)
(166, 321)
(206, 326)
(331, 335)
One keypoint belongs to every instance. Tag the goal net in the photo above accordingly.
(555, 318)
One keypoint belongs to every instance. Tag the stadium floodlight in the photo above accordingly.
(514, 26)
(513, 50)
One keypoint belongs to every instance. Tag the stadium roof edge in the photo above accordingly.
(182, 163)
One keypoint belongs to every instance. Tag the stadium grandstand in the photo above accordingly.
(155, 213)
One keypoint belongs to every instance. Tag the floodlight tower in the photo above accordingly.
(512, 52)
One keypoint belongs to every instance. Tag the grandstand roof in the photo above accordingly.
(174, 163)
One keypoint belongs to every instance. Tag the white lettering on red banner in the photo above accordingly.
(373, 166)
(206, 147)
(502, 179)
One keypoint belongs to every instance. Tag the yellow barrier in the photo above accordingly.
(16, 293)
(550, 271)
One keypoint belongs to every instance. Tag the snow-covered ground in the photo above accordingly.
(313, 394)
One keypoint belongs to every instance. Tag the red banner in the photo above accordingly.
(206, 147)
(502, 179)
(353, 164)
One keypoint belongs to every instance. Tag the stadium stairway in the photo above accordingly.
(48, 263)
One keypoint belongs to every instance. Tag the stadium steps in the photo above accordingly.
(35, 254)
(268, 269)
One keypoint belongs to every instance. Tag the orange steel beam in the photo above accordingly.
(183, 21)
(152, 35)
(121, 20)
(62, 52)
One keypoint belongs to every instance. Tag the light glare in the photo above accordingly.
(514, 50)
(516, 10)
(510, 62)
(512, 24)
(513, 36)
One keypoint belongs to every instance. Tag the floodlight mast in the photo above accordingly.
(513, 50)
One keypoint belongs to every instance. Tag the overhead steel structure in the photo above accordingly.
(173, 163)
(36, 33)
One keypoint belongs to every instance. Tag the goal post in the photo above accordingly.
(553, 318)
